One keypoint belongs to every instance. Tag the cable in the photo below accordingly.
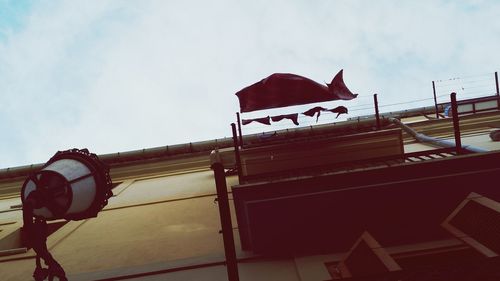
(462, 77)
(477, 93)
(477, 87)
(462, 83)
(400, 103)
(359, 105)
(366, 108)
(476, 75)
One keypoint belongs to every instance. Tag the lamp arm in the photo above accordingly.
(36, 237)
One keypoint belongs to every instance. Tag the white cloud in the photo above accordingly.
(123, 75)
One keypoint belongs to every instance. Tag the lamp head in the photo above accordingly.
(74, 185)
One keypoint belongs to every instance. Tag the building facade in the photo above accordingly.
(336, 201)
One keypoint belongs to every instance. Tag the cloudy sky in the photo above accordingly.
(123, 75)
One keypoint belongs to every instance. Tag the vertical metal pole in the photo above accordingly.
(456, 125)
(498, 92)
(239, 128)
(435, 99)
(236, 152)
(225, 219)
(375, 101)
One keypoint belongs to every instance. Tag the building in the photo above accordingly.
(357, 200)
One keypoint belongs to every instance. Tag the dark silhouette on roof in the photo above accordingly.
(285, 89)
(294, 117)
(339, 110)
(264, 120)
(315, 110)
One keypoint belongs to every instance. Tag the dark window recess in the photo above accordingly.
(15, 239)
(480, 223)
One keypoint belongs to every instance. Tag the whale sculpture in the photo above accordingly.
(285, 89)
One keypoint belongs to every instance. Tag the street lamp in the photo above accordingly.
(73, 185)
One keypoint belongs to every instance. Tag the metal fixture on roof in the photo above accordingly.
(73, 185)
(433, 141)
(495, 135)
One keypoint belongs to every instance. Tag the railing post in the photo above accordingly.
(225, 217)
(498, 91)
(239, 128)
(236, 152)
(456, 124)
(435, 99)
(375, 101)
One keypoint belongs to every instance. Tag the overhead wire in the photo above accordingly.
(407, 102)
(461, 77)
(462, 83)
(477, 87)
(360, 105)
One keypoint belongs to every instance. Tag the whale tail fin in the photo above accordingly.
(339, 89)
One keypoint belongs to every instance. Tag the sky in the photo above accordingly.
(119, 75)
